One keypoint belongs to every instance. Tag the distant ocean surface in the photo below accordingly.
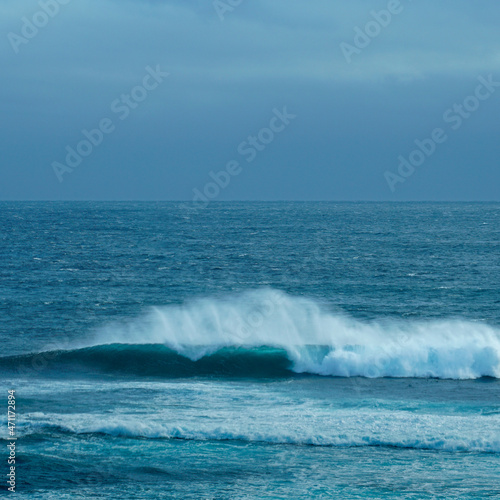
(252, 350)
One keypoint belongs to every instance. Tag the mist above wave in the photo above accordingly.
(317, 340)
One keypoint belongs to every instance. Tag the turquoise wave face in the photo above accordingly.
(155, 361)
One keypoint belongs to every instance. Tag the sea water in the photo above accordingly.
(251, 350)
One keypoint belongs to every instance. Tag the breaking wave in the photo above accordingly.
(268, 333)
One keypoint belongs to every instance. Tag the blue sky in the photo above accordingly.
(358, 104)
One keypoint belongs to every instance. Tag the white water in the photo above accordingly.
(342, 428)
(455, 349)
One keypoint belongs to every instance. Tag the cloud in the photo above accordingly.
(226, 76)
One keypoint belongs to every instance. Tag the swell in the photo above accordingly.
(154, 361)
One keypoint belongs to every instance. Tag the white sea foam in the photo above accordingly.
(344, 428)
(318, 340)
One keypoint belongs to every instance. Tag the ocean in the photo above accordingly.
(250, 350)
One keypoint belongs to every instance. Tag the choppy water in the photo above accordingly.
(282, 350)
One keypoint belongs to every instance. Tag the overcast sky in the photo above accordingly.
(279, 93)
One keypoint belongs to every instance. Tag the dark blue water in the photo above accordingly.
(252, 350)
